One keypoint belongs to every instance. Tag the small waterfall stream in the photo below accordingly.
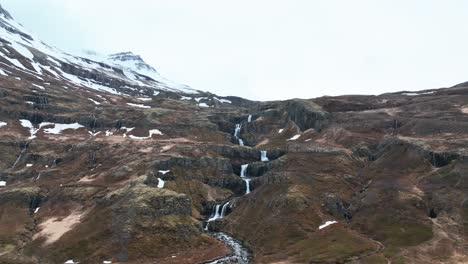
(237, 134)
(243, 172)
(237, 130)
(243, 175)
(247, 185)
(223, 210)
(23, 150)
(263, 155)
(217, 213)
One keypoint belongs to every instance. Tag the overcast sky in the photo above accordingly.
(267, 49)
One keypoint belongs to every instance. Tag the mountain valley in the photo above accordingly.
(105, 161)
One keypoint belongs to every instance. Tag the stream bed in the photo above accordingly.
(240, 254)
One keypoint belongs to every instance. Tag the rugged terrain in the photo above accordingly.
(104, 160)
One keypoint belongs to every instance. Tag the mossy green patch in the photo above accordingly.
(444, 177)
(375, 259)
(5, 247)
(155, 113)
(400, 233)
(334, 244)
(465, 220)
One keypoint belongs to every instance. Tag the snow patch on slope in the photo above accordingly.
(151, 133)
(59, 128)
(161, 183)
(56, 129)
(139, 105)
(327, 223)
(295, 137)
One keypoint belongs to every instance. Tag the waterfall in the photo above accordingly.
(243, 175)
(244, 170)
(239, 253)
(263, 155)
(223, 211)
(215, 214)
(237, 130)
(237, 134)
(247, 185)
(218, 214)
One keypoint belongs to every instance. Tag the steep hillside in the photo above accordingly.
(104, 161)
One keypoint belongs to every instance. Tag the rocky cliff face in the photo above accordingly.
(135, 172)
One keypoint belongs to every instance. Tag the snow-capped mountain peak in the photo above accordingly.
(123, 73)
(127, 56)
(5, 13)
(134, 62)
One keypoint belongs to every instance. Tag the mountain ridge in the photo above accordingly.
(117, 72)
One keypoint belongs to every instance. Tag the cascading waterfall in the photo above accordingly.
(240, 254)
(217, 213)
(237, 134)
(237, 131)
(223, 211)
(247, 185)
(244, 170)
(243, 175)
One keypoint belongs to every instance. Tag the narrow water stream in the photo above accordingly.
(23, 150)
(239, 255)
